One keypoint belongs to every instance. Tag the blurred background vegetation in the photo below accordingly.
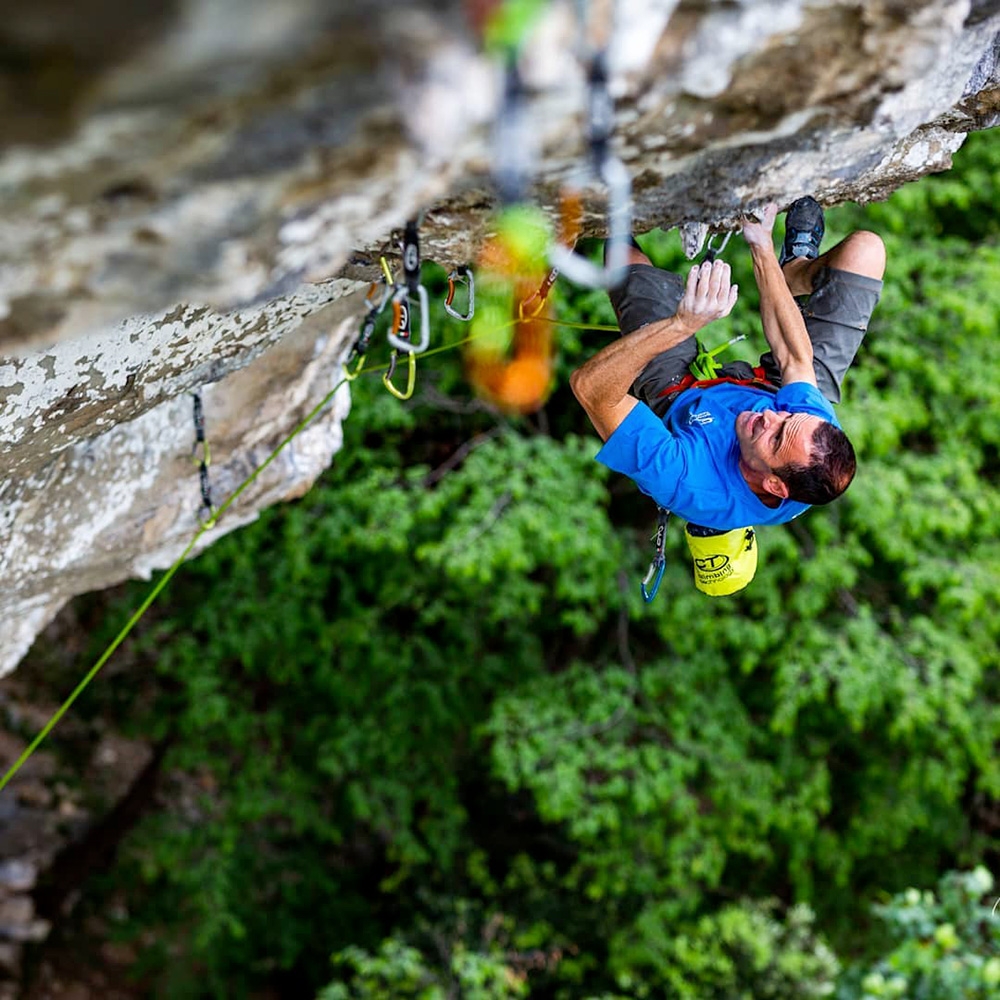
(423, 738)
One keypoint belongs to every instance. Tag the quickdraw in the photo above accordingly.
(202, 455)
(537, 299)
(608, 169)
(400, 332)
(713, 249)
(513, 141)
(408, 289)
(656, 567)
(375, 307)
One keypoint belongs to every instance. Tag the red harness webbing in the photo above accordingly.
(689, 381)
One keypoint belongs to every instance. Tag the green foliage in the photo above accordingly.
(328, 686)
(740, 952)
(398, 970)
(947, 945)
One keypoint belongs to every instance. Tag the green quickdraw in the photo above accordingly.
(411, 376)
(705, 367)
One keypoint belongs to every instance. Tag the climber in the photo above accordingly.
(763, 444)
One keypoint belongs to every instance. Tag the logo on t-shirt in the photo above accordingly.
(701, 417)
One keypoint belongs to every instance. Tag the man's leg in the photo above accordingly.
(843, 287)
(646, 295)
(862, 252)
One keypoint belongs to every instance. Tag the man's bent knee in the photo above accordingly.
(863, 252)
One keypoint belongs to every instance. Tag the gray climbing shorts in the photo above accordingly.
(836, 315)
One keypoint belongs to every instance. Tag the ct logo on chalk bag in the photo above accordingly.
(711, 564)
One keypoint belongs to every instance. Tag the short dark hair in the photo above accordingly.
(828, 474)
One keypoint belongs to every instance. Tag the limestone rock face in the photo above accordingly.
(195, 192)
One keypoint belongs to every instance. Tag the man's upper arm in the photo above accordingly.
(608, 418)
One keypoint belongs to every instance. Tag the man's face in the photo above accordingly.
(770, 439)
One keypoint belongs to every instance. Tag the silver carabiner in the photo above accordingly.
(461, 274)
(607, 168)
(655, 572)
(711, 250)
(584, 272)
(399, 334)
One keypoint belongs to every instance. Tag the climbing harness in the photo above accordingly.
(656, 567)
(202, 455)
(609, 170)
(464, 276)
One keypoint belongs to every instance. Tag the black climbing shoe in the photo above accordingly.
(804, 230)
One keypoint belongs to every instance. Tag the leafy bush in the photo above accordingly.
(947, 944)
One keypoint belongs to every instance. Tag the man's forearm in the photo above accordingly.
(602, 384)
(784, 327)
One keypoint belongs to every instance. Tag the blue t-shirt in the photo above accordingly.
(688, 462)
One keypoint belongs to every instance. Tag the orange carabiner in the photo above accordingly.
(461, 274)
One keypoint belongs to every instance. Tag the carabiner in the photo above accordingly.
(711, 250)
(399, 334)
(461, 274)
(656, 567)
(584, 272)
(411, 377)
(540, 295)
